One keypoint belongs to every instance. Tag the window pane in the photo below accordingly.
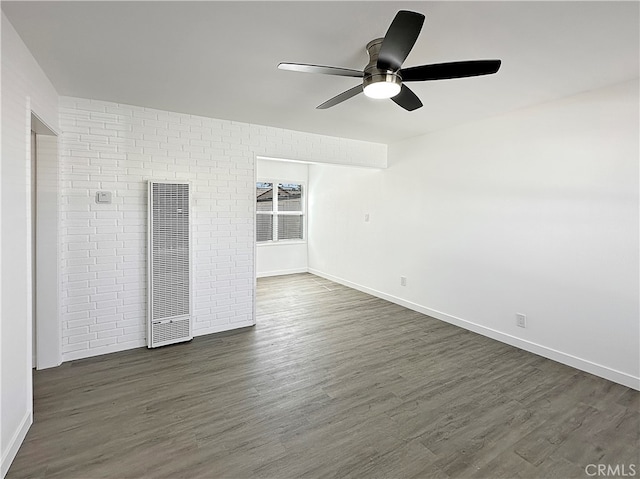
(264, 196)
(289, 197)
(290, 227)
(264, 227)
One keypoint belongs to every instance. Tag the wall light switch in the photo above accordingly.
(366, 217)
(103, 197)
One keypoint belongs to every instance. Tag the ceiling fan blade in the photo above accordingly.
(443, 71)
(301, 67)
(345, 95)
(399, 40)
(407, 99)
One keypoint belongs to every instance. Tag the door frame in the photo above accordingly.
(46, 317)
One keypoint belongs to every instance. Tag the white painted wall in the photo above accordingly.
(25, 88)
(535, 212)
(117, 148)
(284, 257)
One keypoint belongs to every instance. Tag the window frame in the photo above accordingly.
(275, 241)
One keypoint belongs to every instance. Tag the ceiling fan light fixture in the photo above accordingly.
(382, 85)
(382, 90)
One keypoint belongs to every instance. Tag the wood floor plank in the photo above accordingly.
(331, 382)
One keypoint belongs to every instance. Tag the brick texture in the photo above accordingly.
(118, 148)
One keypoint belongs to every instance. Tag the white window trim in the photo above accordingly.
(275, 213)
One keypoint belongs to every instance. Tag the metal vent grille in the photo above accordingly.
(170, 331)
(169, 259)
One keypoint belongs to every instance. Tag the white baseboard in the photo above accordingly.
(9, 454)
(112, 348)
(223, 327)
(564, 358)
(282, 272)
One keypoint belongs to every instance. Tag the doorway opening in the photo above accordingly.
(43, 225)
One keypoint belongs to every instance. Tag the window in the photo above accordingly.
(279, 216)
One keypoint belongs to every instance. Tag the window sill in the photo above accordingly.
(281, 243)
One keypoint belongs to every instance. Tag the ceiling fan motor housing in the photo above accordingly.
(372, 74)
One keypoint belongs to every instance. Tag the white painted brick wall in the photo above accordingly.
(107, 146)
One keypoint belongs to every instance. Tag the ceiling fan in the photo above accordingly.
(384, 77)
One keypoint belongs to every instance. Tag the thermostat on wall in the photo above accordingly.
(103, 197)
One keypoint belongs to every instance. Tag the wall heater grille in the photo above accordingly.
(169, 264)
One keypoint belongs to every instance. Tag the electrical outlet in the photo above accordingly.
(521, 320)
(403, 280)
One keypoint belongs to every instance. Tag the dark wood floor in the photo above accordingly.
(330, 383)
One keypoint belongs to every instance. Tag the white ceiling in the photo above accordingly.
(219, 59)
